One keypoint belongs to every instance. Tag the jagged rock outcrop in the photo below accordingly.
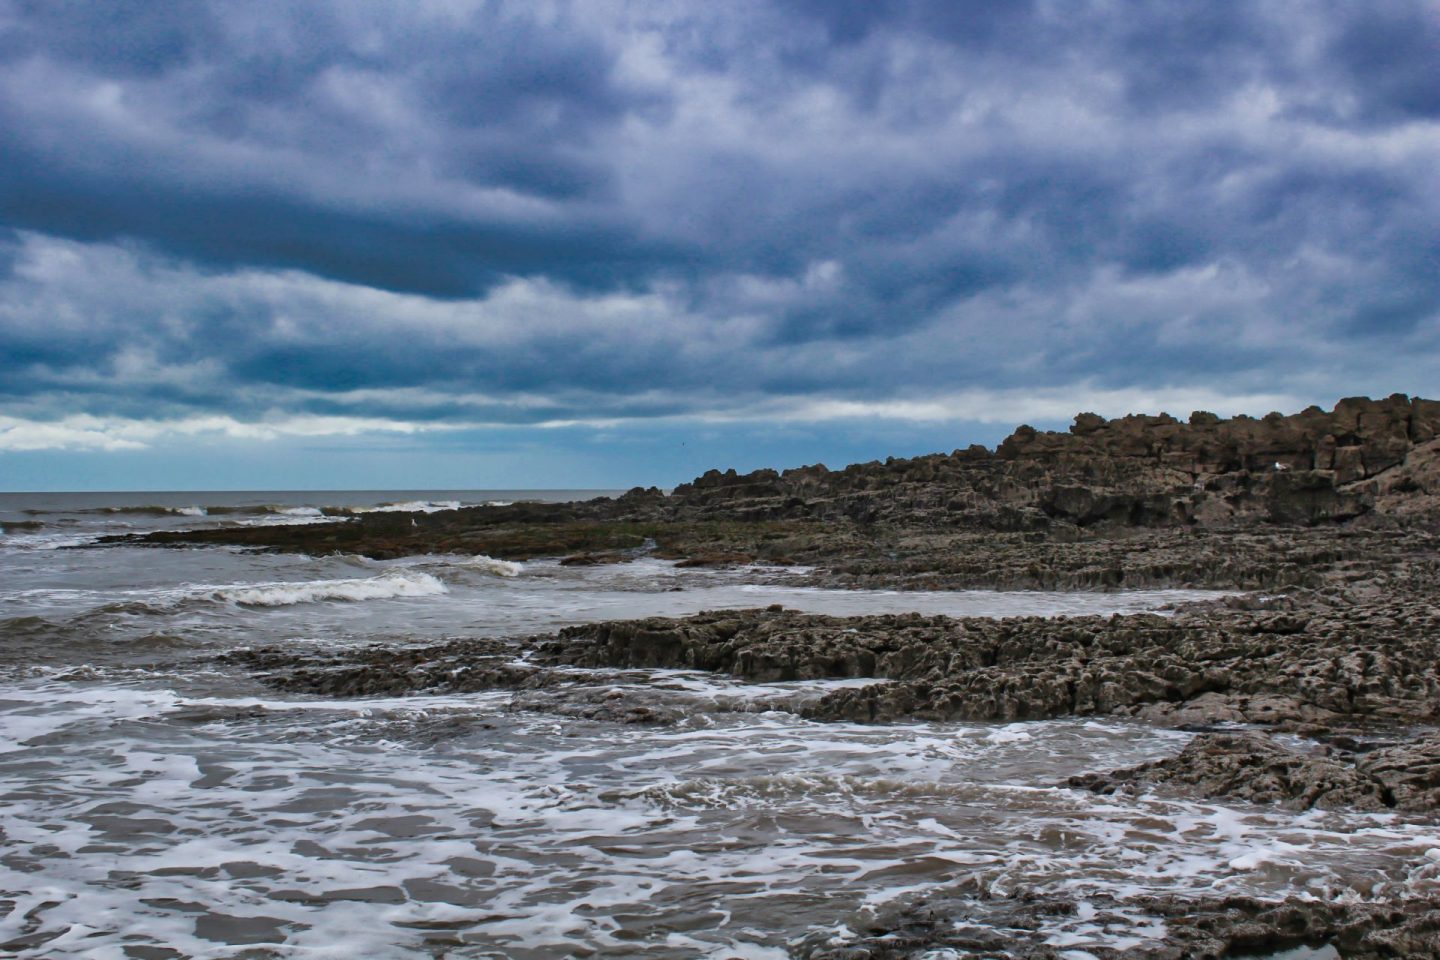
(384, 671)
(1253, 767)
(1306, 668)
(1312, 467)
(1377, 460)
(968, 920)
(1365, 650)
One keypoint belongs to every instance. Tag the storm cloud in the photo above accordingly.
(459, 215)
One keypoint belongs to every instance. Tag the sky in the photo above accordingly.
(475, 244)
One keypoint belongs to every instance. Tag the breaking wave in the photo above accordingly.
(405, 506)
(397, 583)
(151, 510)
(268, 509)
(271, 509)
(500, 568)
(22, 526)
(479, 562)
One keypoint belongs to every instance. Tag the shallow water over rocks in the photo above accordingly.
(157, 802)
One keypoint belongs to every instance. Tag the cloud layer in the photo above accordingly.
(451, 216)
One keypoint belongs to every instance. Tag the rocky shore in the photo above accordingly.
(971, 922)
(1065, 500)
(1317, 685)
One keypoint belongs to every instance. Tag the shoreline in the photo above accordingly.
(1316, 687)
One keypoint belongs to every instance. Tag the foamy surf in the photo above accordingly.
(500, 568)
(443, 561)
(520, 823)
(396, 583)
(289, 516)
(406, 506)
(47, 541)
(157, 510)
(340, 826)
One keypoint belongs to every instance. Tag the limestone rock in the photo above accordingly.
(1251, 767)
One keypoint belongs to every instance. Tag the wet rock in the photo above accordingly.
(965, 921)
(1253, 768)
(1199, 668)
(1368, 653)
(1250, 766)
(384, 671)
(606, 706)
(461, 666)
(593, 559)
(1410, 772)
(721, 559)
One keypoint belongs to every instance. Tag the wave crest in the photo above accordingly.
(500, 568)
(397, 583)
(150, 510)
(403, 506)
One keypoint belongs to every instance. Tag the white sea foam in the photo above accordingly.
(500, 568)
(282, 520)
(527, 833)
(396, 583)
(278, 516)
(47, 541)
(155, 510)
(442, 561)
(406, 506)
(543, 841)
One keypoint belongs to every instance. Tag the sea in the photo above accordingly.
(157, 802)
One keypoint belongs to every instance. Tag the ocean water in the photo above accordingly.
(156, 802)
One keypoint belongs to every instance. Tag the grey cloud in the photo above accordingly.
(820, 199)
(1390, 51)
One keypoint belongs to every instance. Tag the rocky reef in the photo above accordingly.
(1315, 686)
(1366, 462)
(968, 921)
(1314, 666)
(1363, 456)
(1254, 768)
(1330, 514)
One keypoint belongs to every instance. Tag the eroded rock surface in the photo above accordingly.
(1314, 466)
(388, 671)
(1306, 667)
(969, 922)
(1333, 517)
(1254, 768)
(1251, 766)
(1310, 663)
(1365, 461)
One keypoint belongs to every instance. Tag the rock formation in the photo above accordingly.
(1367, 463)
(967, 921)
(1138, 470)
(1253, 767)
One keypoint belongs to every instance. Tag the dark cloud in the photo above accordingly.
(9, 252)
(503, 102)
(982, 23)
(1390, 52)
(670, 207)
(131, 38)
(440, 254)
